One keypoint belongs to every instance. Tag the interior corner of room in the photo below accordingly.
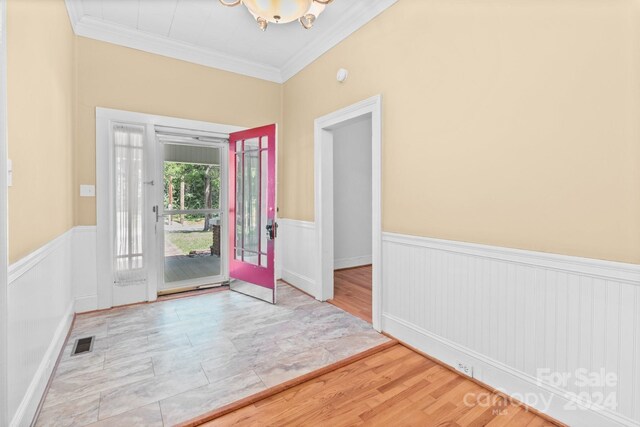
(420, 201)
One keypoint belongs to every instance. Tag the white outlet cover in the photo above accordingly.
(465, 369)
(87, 190)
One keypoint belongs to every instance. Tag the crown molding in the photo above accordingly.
(348, 24)
(98, 29)
(75, 11)
(120, 35)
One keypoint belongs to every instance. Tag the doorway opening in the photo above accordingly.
(180, 207)
(352, 237)
(347, 153)
(192, 214)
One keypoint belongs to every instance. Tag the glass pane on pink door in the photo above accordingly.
(252, 226)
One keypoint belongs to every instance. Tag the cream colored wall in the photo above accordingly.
(510, 123)
(40, 89)
(116, 77)
(506, 123)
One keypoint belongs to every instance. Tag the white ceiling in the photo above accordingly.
(208, 33)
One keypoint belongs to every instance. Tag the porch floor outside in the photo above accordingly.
(189, 252)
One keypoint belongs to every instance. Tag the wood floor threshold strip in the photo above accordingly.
(250, 400)
(480, 383)
(192, 291)
(353, 268)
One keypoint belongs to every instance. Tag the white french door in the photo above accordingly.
(131, 218)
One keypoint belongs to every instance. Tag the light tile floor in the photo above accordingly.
(164, 363)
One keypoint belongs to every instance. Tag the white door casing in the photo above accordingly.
(4, 207)
(108, 296)
(323, 191)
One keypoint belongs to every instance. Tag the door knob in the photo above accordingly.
(272, 229)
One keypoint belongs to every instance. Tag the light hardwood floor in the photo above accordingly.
(352, 291)
(395, 387)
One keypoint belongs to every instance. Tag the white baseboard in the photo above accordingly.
(351, 262)
(511, 381)
(26, 412)
(299, 281)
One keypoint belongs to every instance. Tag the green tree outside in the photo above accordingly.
(201, 187)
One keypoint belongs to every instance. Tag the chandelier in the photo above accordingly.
(282, 11)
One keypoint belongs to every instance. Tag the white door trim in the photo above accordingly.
(4, 225)
(323, 186)
(104, 118)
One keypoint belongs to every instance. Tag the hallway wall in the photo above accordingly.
(506, 123)
(352, 218)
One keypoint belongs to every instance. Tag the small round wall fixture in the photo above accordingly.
(342, 75)
(282, 11)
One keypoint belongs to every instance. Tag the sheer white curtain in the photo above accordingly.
(129, 256)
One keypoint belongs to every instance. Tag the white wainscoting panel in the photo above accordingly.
(40, 311)
(296, 254)
(511, 312)
(83, 268)
(506, 312)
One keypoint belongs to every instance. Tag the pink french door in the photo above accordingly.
(252, 212)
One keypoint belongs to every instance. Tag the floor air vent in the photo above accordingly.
(82, 345)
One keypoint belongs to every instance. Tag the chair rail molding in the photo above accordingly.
(23, 265)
